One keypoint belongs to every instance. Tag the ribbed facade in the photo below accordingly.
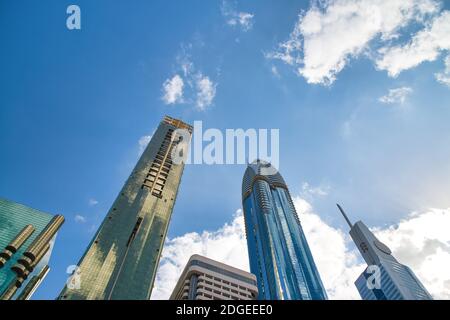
(207, 279)
(121, 261)
(26, 240)
(278, 251)
(397, 282)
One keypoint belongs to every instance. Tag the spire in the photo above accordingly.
(345, 216)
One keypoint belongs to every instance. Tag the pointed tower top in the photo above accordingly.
(345, 216)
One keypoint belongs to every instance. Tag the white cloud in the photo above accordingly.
(173, 90)
(80, 219)
(235, 18)
(346, 129)
(275, 72)
(289, 51)
(425, 45)
(396, 96)
(444, 76)
(93, 228)
(143, 142)
(308, 190)
(421, 241)
(92, 202)
(338, 265)
(192, 87)
(331, 32)
(206, 91)
(227, 245)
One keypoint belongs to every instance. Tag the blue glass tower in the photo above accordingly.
(384, 278)
(278, 251)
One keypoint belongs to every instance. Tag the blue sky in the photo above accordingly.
(75, 103)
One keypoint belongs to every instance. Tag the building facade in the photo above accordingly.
(122, 258)
(207, 279)
(384, 278)
(278, 251)
(26, 241)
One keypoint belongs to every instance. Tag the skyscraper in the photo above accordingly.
(279, 253)
(384, 278)
(121, 260)
(26, 241)
(207, 279)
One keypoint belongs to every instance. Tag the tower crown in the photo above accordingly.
(261, 170)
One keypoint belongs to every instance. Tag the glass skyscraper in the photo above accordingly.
(384, 278)
(121, 261)
(26, 241)
(278, 251)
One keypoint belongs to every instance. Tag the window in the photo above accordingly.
(223, 272)
(160, 168)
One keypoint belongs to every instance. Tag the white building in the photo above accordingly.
(207, 279)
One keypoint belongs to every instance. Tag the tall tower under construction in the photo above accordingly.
(122, 258)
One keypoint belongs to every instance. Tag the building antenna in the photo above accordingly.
(345, 216)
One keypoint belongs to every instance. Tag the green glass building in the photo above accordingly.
(122, 258)
(26, 240)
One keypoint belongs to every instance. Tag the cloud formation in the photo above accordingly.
(80, 219)
(227, 245)
(143, 142)
(421, 241)
(310, 191)
(425, 45)
(396, 96)
(444, 76)
(173, 90)
(234, 18)
(274, 71)
(338, 262)
(190, 86)
(206, 91)
(332, 32)
(92, 202)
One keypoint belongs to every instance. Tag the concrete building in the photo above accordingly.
(207, 279)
